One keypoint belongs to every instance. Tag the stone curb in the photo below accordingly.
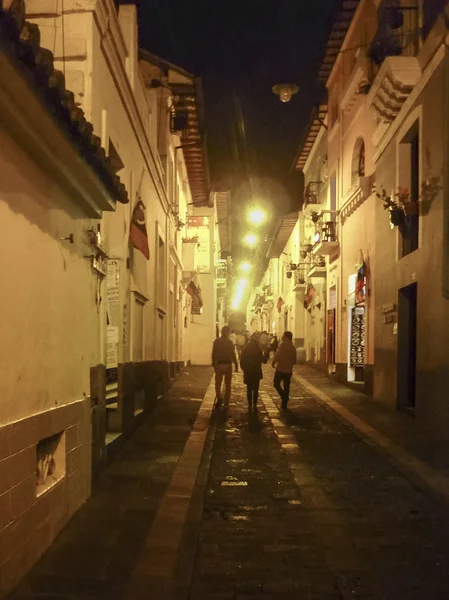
(154, 573)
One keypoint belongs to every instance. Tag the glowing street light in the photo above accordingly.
(285, 91)
(235, 303)
(245, 267)
(257, 216)
(239, 292)
(250, 239)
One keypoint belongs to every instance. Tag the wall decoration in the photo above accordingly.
(357, 349)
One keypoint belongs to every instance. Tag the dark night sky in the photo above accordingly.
(243, 48)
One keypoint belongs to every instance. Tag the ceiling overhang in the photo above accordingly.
(188, 100)
(285, 230)
(312, 132)
(222, 201)
(340, 27)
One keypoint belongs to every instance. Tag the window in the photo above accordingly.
(358, 161)
(409, 182)
(361, 165)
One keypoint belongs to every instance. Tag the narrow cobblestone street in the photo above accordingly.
(285, 505)
(298, 506)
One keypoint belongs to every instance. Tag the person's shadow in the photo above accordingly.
(255, 423)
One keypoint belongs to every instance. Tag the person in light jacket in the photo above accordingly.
(251, 361)
(284, 361)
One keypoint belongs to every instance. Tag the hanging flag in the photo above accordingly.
(194, 290)
(360, 285)
(309, 296)
(138, 231)
(280, 304)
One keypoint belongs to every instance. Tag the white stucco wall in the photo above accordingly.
(49, 331)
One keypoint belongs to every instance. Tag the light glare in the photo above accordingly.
(239, 292)
(250, 239)
(245, 267)
(257, 216)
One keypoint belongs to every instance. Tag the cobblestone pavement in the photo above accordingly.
(290, 505)
(298, 506)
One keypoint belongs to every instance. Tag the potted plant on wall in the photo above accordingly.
(307, 247)
(397, 213)
(410, 207)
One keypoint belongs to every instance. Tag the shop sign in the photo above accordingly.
(388, 308)
(389, 313)
(112, 312)
(199, 227)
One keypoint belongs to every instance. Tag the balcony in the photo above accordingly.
(312, 198)
(221, 274)
(317, 268)
(259, 301)
(269, 292)
(326, 243)
(393, 52)
(397, 32)
(358, 82)
(299, 283)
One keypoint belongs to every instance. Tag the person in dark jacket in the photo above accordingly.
(223, 356)
(274, 344)
(251, 363)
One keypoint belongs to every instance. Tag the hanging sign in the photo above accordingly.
(112, 313)
(199, 227)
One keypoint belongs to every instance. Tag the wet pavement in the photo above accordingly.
(291, 505)
(299, 506)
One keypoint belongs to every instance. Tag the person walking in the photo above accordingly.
(274, 343)
(241, 343)
(251, 363)
(283, 361)
(223, 357)
(264, 341)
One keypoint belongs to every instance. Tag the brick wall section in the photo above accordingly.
(29, 524)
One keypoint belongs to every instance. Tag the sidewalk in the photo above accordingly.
(424, 460)
(95, 555)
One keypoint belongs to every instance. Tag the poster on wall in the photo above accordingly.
(200, 227)
(112, 313)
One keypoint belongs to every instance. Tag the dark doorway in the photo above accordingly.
(330, 352)
(406, 372)
(410, 159)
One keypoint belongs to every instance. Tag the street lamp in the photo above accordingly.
(245, 267)
(250, 239)
(285, 91)
(256, 216)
